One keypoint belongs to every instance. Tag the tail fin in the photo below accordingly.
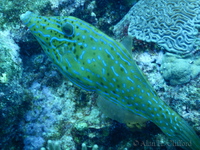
(188, 137)
(178, 130)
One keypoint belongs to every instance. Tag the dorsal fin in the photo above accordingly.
(127, 43)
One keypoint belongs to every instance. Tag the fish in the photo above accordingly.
(96, 62)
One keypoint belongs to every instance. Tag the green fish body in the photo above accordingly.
(95, 62)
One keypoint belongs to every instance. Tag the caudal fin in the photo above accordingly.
(189, 140)
(178, 130)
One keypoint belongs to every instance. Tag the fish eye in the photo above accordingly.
(68, 29)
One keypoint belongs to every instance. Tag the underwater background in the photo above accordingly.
(41, 109)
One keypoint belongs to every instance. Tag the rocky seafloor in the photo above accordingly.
(41, 109)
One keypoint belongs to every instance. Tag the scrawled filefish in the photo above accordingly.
(95, 62)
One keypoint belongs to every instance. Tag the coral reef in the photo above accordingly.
(177, 70)
(38, 105)
(171, 24)
(55, 145)
(48, 113)
(84, 147)
(13, 97)
(174, 25)
(52, 145)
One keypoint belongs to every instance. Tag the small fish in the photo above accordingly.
(95, 62)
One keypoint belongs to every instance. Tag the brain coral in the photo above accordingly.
(173, 24)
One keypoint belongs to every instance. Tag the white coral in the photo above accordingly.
(172, 24)
(7, 43)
